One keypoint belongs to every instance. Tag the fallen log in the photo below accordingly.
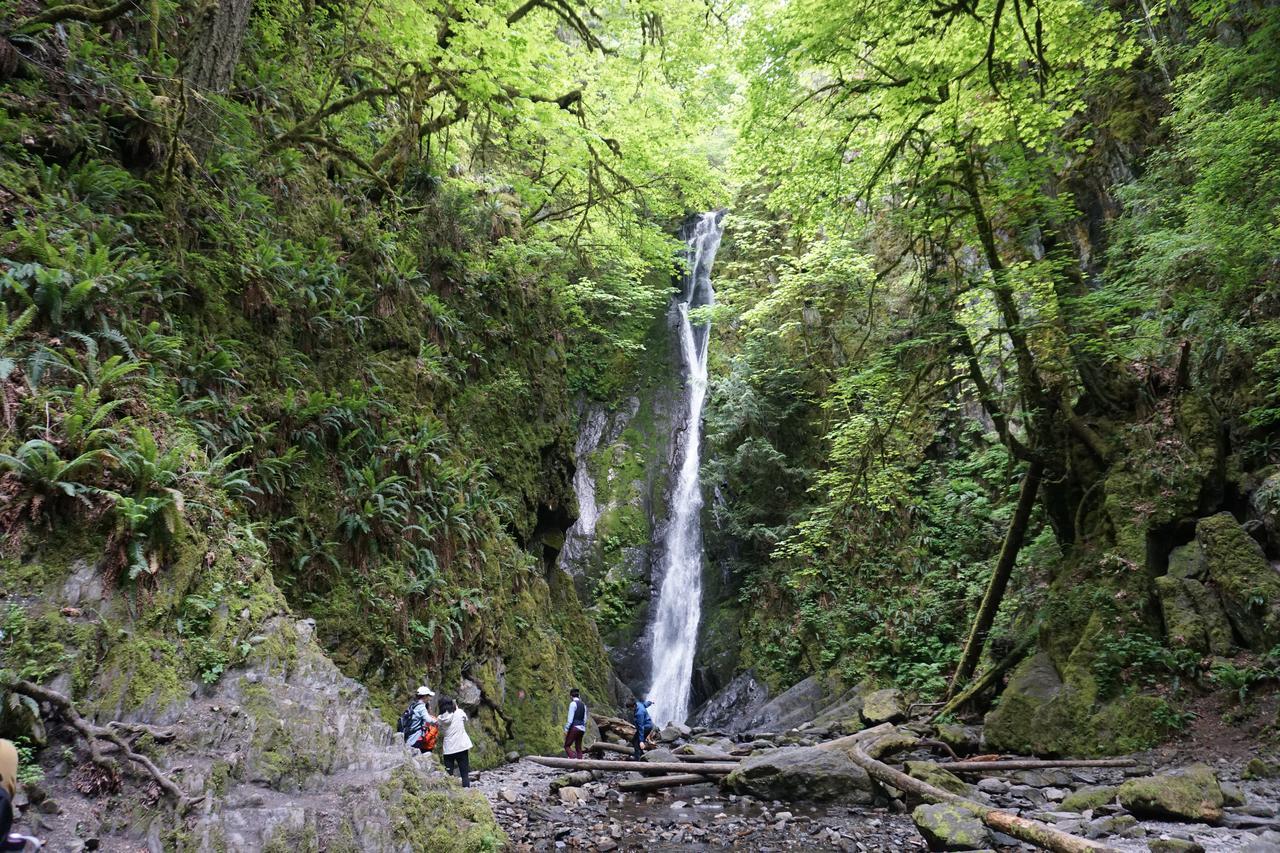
(709, 768)
(602, 746)
(654, 783)
(615, 726)
(1001, 765)
(695, 759)
(1031, 831)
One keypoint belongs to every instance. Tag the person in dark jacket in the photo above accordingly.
(643, 723)
(575, 726)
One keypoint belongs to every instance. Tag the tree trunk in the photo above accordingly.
(722, 768)
(218, 32)
(1000, 577)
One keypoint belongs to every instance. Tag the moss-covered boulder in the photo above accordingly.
(946, 826)
(1248, 585)
(884, 706)
(1183, 623)
(1188, 793)
(932, 774)
(801, 773)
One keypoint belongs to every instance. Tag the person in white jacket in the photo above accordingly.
(457, 743)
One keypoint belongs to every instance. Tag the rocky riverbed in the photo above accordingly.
(1165, 801)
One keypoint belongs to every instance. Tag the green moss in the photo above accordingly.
(1088, 798)
(437, 815)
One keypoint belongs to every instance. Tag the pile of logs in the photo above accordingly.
(865, 749)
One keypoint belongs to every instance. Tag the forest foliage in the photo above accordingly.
(332, 276)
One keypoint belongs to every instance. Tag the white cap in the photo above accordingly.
(424, 690)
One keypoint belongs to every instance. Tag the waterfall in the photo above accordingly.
(675, 624)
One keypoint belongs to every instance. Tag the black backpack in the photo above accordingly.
(406, 720)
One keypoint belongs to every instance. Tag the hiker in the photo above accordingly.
(457, 744)
(575, 726)
(643, 723)
(9, 789)
(417, 720)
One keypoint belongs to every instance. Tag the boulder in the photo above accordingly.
(798, 704)
(884, 706)
(734, 705)
(469, 694)
(946, 826)
(1188, 793)
(930, 773)
(669, 734)
(1217, 628)
(964, 740)
(1183, 623)
(1186, 562)
(801, 773)
(1246, 582)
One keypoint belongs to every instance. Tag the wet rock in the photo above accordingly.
(884, 706)
(798, 704)
(512, 756)
(949, 827)
(801, 773)
(669, 734)
(1189, 793)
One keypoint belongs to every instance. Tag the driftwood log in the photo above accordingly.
(654, 783)
(1001, 765)
(603, 746)
(861, 751)
(708, 768)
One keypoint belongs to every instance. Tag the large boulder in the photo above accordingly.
(798, 704)
(734, 706)
(801, 773)
(1247, 583)
(946, 826)
(1189, 793)
(884, 706)
(1193, 615)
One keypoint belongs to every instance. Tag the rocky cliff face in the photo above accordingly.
(281, 752)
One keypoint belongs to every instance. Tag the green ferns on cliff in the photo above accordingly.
(297, 297)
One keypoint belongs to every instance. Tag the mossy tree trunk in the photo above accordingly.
(1000, 577)
(217, 37)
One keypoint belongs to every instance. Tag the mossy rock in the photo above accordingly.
(1248, 585)
(1183, 623)
(932, 774)
(1188, 793)
(946, 826)
(437, 815)
(1088, 798)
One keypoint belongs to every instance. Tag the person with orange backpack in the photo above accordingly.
(421, 730)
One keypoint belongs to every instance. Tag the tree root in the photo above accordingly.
(96, 737)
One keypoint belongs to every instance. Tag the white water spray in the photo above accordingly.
(675, 627)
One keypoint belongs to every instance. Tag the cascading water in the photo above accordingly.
(675, 625)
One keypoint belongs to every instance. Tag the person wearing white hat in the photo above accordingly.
(419, 719)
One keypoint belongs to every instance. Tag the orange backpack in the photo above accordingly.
(430, 735)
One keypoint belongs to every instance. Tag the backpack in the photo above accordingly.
(406, 720)
(430, 735)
